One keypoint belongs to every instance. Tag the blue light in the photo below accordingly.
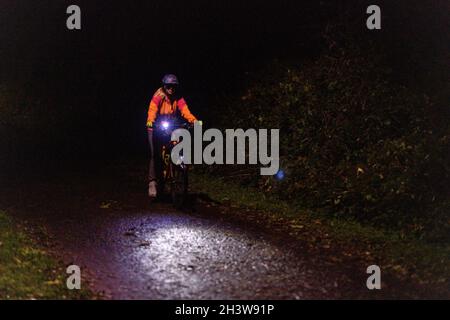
(165, 124)
(280, 175)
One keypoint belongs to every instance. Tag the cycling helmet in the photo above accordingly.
(170, 79)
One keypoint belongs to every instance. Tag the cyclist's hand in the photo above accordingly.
(149, 125)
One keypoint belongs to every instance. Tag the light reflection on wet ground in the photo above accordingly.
(131, 249)
(189, 257)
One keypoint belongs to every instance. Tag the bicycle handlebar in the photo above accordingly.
(166, 125)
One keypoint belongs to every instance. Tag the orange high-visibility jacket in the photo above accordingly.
(161, 104)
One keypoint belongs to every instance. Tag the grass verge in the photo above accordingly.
(27, 271)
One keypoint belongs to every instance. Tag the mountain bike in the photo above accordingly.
(174, 176)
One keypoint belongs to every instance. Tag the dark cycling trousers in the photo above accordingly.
(154, 166)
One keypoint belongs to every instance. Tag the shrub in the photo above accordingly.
(351, 142)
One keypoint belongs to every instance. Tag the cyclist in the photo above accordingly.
(168, 103)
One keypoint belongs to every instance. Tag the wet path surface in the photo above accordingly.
(164, 254)
(129, 248)
(175, 256)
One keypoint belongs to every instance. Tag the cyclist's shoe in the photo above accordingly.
(152, 189)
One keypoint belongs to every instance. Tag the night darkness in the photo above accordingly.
(105, 74)
(364, 136)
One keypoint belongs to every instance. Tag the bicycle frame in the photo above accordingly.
(173, 174)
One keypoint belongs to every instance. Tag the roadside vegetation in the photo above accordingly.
(354, 142)
(364, 149)
(27, 271)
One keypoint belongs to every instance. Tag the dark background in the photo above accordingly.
(95, 84)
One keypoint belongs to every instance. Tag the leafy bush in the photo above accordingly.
(351, 142)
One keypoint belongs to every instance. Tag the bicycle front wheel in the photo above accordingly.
(179, 185)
